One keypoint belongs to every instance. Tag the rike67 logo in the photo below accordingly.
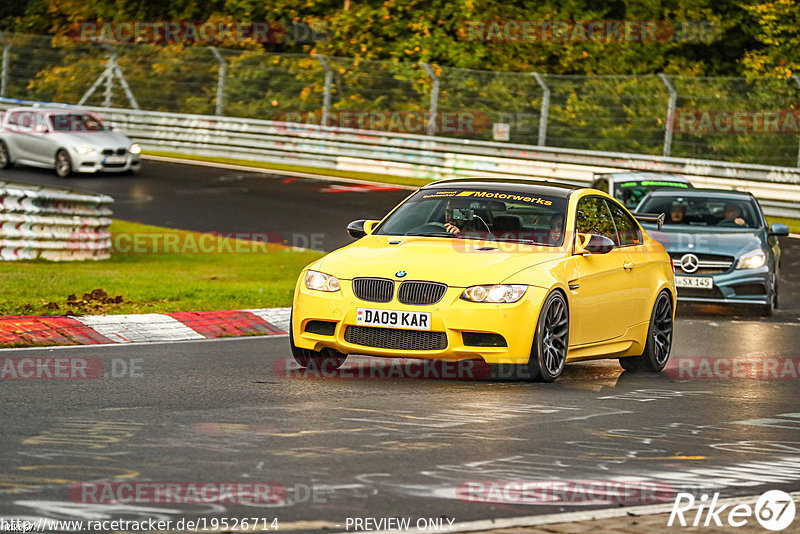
(774, 510)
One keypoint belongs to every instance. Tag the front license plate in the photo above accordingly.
(393, 319)
(700, 282)
(113, 159)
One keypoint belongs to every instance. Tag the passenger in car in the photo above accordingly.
(677, 214)
(556, 227)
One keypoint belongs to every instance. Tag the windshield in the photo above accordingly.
(703, 211)
(76, 122)
(480, 214)
(630, 193)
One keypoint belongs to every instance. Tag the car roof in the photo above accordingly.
(706, 192)
(516, 185)
(643, 175)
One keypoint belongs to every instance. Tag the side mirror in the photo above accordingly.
(41, 128)
(361, 227)
(779, 230)
(593, 244)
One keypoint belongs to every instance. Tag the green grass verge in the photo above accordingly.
(151, 276)
(383, 178)
(793, 224)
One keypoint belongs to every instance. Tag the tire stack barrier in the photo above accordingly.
(53, 224)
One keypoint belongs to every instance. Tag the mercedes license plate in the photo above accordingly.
(697, 282)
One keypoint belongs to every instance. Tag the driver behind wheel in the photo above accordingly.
(732, 216)
(459, 216)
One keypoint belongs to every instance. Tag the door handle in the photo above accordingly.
(627, 266)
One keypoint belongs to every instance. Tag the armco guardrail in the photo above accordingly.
(427, 156)
(53, 224)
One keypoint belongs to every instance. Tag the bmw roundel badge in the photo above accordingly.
(400, 274)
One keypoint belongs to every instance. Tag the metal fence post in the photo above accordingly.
(545, 111)
(673, 99)
(4, 69)
(434, 105)
(797, 81)
(326, 97)
(109, 92)
(223, 71)
(124, 83)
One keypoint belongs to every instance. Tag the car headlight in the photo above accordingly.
(495, 293)
(321, 281)
(135, 148)
(752, 260)
(85, 150)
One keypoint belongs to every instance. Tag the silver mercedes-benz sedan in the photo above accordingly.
(67, 140)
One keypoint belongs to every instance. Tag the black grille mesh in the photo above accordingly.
(373, 289)
(421, 292)
(395, 338)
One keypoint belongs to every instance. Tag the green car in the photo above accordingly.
(720, 245)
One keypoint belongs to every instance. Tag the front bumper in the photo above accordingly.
(516, 322)
(733, 287)
(97, 162)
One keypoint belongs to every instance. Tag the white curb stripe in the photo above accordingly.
(278, 317)
(140, 327)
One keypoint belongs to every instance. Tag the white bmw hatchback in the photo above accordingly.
(67, 140)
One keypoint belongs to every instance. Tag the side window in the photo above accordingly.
(26, 120)
(593, 217)
(14, 118)
(627, 228)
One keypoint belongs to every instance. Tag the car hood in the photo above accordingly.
(103, 139)
(453, 261)
(702, 240)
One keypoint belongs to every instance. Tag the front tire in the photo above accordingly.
(325, 360)
(63, 164)
(658, 346)
(5, 156)
(551, 340)
(768, 309)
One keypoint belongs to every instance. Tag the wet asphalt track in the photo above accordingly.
(223, 411)
(307, 213)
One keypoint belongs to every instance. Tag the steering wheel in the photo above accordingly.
(732, 223)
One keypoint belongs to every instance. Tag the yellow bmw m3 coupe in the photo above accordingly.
(509, 272)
